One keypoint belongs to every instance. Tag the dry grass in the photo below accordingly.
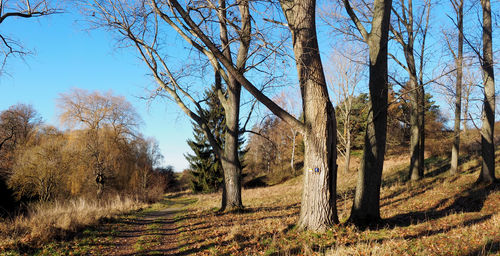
(45, 222)
(439, 215)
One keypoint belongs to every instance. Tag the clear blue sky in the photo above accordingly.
(67, 56)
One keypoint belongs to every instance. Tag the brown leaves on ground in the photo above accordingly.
(439, 215)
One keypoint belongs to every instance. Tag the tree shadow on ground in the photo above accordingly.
(468, 222)
(470, 200)
(491, 247)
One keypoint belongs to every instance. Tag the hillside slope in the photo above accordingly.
(439, 215)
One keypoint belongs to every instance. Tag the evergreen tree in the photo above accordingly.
(357, 123)
(206, 168)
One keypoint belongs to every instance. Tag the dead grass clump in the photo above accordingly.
(46, 221)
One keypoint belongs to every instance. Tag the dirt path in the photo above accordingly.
(150, 232)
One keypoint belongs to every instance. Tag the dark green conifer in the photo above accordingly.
(205, 166)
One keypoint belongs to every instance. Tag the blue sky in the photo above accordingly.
(66, 56)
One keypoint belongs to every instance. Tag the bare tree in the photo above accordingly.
(95, 112)
(487, 174)
(458, 7)
(19, 9)
(287, 99)
(17, 124)
(344, 76)
(486, 62)
(366, 206)
(410, 31)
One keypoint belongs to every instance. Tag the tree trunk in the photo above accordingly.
(223, 201)
(487, 174)
(466, 112)
(230, 160)
(347, 154)
(292, 160)
(415, 131)
(366, 206)
(318, 208)
(455, 150)
(406, 34)
(422, 130)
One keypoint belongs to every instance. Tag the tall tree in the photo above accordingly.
(318, 210)
(458, 7)
(366, 206)
(409, 29)
(487, 174)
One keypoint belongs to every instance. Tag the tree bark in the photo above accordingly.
(455, 150)
(415, 164)
(292, 160)
(487, 174)
(466, 112)
(347, 153)
(230, 160)
(366, 206)
(422, 129)
(318, 208)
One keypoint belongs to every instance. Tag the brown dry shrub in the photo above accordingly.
(156, 191)
(438, 146)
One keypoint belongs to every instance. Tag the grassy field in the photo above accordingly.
(439, 215)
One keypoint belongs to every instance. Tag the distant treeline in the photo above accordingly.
(101, 152)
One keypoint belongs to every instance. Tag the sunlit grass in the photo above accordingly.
(47, 221)
(438, 215)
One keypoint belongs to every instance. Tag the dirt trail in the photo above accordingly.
(153, 232)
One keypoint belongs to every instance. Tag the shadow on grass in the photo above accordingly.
(469, 222)
(470, 200)
(251, 210)
(491, 247)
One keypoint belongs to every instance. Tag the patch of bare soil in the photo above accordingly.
(151, 233)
